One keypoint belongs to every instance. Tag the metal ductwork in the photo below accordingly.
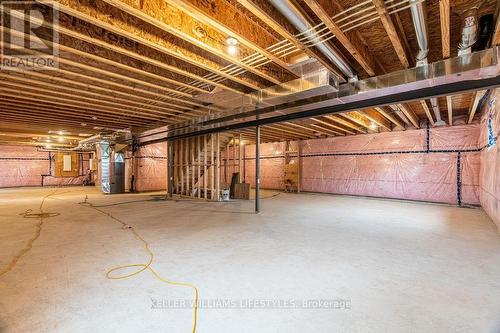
(300, 22)
(470, 28)
(420, 23)
(437, 112)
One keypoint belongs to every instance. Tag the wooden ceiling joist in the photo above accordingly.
(77, 101)
(83, 116)
(476, 97)
(98, 98)
(428, 113)
(327, 131)
(260, 8)
(316, 129)
(343, 122)
(374, 116)
(170, 13)
(93, 83)
(444, 13)
(408, 113)
(90, 15)
(350, 41)
(83, 107)
(326, 122)
(394, 119)
(391, 32)
(17, 113)
(227, 19)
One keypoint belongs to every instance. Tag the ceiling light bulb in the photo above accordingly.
(60, 139)
(232, 46)
(232, 50)
(373, 126)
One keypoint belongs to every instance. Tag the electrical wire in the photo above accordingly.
(144, 266)
(41, 215)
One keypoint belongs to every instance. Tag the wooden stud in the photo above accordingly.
(205, 173)
(217, 177)
(449, 104)
(212, 167)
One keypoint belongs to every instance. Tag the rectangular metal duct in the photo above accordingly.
(474, 71)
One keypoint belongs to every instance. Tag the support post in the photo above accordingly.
(217, 176)
(257, 169)
(170, 169)
(205, 168)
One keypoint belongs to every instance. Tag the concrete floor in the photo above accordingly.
(385, 265)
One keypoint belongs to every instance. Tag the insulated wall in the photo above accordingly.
(414, 164)
(26, 166)
(149, 167)
(489, 179)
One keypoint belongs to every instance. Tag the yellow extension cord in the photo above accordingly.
(146, 266)
(29, 214)
(142, 267)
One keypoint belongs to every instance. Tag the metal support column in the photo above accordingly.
(170, 169)
(257, 169)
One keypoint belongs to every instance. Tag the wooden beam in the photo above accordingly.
(449, 104)
(256, 7)
(67, 102)
(495, 40)
(427, 112)
(309, 129)
(409, 114)
(169, 13)
(391, 118)
(90, 15)
(327, 131)
(359, 119)
(335, 127)
(43, 112)
(352, 44)
(25, 83)
(391, 32)
(476, 97)
(225, 17)
(444, 13)
(374, 116)
(345, 123)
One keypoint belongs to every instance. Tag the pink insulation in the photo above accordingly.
(271, 165)
(489, 174)
(151, 168)
(343, 165)
(22, 166)
(25, 166)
